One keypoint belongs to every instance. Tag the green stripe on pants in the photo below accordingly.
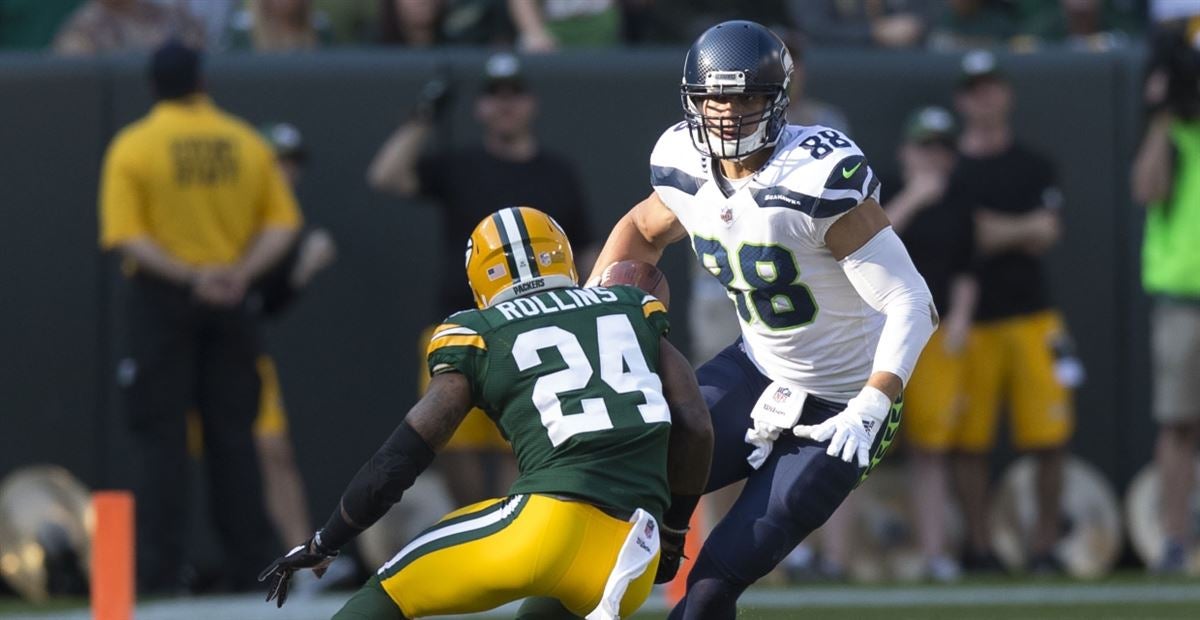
(443, 535)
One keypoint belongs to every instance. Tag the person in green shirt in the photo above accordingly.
(1166, 179)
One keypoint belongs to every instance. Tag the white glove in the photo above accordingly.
(852, 432)
(762, 437)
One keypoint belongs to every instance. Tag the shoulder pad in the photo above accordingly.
(675, 163)
(465, 328)
(822, 173)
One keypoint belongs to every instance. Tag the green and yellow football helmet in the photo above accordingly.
(518, 250)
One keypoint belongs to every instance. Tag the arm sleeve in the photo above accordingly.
(122, 215)
(379, 483)
(885, 277)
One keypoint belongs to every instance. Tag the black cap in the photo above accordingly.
(930, 124)
(174, 70)
(503, 72)
(979, 66)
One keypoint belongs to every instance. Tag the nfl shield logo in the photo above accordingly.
(782, 394)
(726, 215)
(649, 530)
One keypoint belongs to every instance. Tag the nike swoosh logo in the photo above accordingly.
(846, 174)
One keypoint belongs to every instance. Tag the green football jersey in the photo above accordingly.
(570, 377)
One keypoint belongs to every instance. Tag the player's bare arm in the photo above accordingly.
(437, 415)
(854, 229)
(691, 424)
(689, 456)
(641, 234)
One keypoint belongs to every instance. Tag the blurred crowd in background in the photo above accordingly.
(81, 27)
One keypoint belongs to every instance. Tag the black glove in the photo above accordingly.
(309, 555)
(670, 552)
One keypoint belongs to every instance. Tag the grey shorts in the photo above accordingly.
(1175, 329)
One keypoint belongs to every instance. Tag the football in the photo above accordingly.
(641, 274)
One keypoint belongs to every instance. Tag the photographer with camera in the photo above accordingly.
(508, 168)
(1166, 179)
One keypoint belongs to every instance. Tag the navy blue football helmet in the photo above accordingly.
(736, 58)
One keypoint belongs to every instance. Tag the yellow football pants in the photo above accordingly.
(501, 550)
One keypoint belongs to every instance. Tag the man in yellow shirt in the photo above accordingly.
(192, 199)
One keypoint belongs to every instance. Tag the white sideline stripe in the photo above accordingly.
(515, 241)
(252, 607)
(458, 528)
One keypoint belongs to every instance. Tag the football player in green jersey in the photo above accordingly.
(612, 437)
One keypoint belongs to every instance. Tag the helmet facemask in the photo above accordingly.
(707, 131)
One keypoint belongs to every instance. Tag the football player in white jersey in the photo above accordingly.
(833, 313)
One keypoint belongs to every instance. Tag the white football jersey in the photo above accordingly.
(802, 321)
